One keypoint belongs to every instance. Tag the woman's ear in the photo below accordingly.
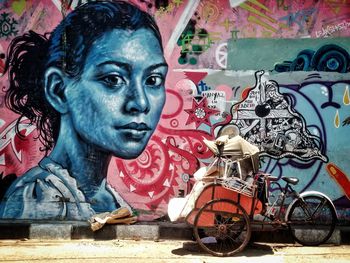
(54, 89)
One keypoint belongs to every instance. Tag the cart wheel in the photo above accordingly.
(225, 226)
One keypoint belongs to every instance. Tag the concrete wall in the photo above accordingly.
(214, 48)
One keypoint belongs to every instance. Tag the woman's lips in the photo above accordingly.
(135, 131)
(136, 126)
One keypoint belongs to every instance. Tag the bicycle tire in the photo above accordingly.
(226, 227)
(314, 230)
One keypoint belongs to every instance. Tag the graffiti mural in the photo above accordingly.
(266, 118)
(91, 95)
(278, 71)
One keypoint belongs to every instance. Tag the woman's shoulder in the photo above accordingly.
(48, 178)
(32, 179)
(28, 189)
(43, 193)
(33, 175)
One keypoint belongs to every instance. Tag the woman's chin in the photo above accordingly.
(130, 154)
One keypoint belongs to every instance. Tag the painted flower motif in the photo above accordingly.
(200, 113)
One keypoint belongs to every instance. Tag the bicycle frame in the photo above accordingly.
(288, 191)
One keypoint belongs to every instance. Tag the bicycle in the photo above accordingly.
(308, 209)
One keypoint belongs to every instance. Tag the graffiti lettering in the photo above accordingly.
(300, 17)
(329, 30)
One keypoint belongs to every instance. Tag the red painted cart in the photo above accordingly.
(221, 213)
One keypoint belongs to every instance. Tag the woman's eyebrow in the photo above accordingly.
(122, 65)
(128, 67)
(159, 65)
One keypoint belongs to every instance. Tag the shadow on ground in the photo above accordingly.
(251, 250)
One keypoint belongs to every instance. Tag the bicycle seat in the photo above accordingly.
(272, 178)
(291, 180)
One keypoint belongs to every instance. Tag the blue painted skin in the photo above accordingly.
(111, 110)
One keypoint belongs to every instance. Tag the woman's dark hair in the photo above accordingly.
(66, 48)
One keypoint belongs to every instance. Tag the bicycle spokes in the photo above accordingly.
(312, 220)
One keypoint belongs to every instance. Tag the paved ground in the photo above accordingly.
(137, 251)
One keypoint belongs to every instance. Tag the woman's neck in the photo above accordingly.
(87, 164)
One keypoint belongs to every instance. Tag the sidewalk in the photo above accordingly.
(72, 230)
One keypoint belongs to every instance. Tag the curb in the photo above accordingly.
(59, 230)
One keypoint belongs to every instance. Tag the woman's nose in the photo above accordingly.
(137, 101)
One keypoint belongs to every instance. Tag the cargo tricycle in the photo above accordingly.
(231, 198)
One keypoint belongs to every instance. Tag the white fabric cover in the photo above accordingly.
(236, 145)
(179, 208)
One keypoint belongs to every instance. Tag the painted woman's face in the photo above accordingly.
(118, 100)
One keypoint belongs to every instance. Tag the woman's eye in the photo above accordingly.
(154, 80)
(113, 80)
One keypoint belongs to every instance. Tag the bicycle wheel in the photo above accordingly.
(222, 227)
(312, 220)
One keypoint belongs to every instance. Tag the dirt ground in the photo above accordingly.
(133, 251)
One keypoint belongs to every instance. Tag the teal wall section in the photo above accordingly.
(262, 53)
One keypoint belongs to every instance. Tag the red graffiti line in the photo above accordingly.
(340, 177)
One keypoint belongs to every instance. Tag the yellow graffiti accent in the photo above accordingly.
(210, 12)
(346, 97)
(336, 119)
(266, 34)
(284, 26)
(253, 19)
(335, 5)
(254, 11)
(227, 23)
(178, 2)
(258, 13)
(255, 2)
(332, 170)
